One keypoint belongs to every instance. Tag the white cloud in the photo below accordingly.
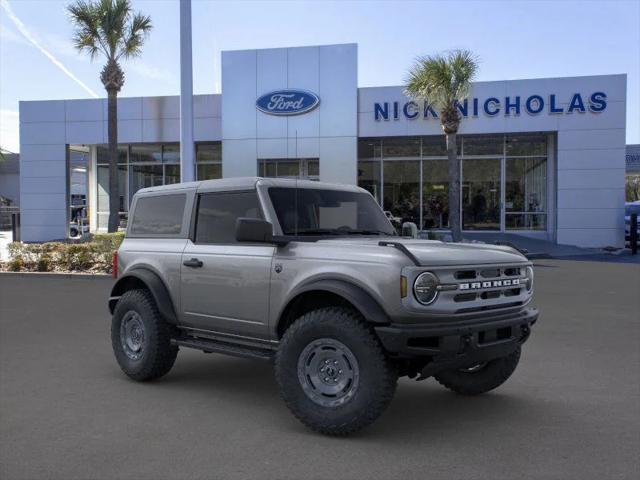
(22, 28)
(9, 130)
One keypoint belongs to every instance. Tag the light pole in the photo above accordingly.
(187, 147)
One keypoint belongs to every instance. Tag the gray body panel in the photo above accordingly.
(241, 290)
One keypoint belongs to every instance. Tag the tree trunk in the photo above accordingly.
(114, 194)
(454, 188)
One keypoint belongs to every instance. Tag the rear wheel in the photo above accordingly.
(480, 378)
(333, 373)
(140, 337)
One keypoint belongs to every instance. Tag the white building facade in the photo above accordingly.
(543, 158)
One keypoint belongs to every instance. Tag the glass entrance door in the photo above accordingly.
(481, 194)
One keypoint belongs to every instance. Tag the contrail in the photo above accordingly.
(27, 34)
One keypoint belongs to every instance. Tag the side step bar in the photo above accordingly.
(212, 346)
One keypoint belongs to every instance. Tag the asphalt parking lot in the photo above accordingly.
(571, 410)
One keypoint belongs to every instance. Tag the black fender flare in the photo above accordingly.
(153, 283)
(355, 295)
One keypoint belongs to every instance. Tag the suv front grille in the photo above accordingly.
(486, 287)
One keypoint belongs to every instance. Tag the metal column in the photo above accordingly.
(187, 147)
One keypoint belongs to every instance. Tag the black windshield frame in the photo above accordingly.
(328, 213)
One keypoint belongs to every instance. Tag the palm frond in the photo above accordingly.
(139, 28)
(442, 80)
(108, 27)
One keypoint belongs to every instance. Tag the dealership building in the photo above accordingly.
(543, 158)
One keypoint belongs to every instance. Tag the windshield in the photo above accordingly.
(313, 211)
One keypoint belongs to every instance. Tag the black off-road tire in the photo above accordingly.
(157, 353)
(490, 376)
(377, 376)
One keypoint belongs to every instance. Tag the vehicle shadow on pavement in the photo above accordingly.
(418, 407)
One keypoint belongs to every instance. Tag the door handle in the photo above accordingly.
(193, 263)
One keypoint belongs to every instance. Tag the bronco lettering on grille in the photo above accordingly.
(490, 284)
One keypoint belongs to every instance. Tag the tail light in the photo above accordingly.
(114, 264)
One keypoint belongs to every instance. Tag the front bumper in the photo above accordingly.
(458, 344)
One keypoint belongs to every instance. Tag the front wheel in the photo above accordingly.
(332, 372)
(480, 378)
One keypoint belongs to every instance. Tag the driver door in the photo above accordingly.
(225, 284)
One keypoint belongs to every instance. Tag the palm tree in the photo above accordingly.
(112, 29)
(444, 81)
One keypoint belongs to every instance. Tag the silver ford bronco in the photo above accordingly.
(314, 277)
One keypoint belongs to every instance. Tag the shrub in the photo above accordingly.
(16, 263)
(44, 263)
(90, 255)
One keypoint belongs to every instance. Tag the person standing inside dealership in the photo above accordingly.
(443, 81)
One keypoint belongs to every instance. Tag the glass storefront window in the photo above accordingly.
(526, 145)
(207, 171)
(435, 146)
(525, 193)
(402, 189)
(435, 194)
(402, 147)
(102, 154)
(308, 168)
(146, 153)
(208, 161)
(369, 178)
(143, 176)
(481, 194)
(171, 153)
(171, 174)
(483, 145)
(103, 188)
(369, 149)
(208, 152)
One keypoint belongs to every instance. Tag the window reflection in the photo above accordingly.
(402, 189)
(435, 194)
(390, 168)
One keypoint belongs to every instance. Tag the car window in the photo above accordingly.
(218, 212)
(159, 215)
(302, 211)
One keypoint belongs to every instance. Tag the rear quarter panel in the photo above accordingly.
(162, 256)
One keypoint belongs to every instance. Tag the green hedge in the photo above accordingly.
(93, 255)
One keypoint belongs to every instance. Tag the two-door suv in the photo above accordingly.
(314, 277)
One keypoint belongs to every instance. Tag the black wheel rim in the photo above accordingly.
(132, 335)
(328, 372)
(473, 368)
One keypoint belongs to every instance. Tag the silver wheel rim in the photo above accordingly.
(328, 372)
(132, 335)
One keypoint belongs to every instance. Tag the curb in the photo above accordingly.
(80, 276)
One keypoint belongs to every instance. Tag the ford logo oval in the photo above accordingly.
(287, 102)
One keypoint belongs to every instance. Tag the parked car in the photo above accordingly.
(314, 277)
(629, 208)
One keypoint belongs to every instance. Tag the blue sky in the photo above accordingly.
(513, 40)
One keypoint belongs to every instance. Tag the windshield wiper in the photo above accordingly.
(317, 231)
(338, 232)
(367, 232)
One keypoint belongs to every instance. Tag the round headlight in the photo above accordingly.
(425, 288)
(529, 274)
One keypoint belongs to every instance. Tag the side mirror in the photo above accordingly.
(253, 230)
(409, 229)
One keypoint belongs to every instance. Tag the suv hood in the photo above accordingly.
(436, 253)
